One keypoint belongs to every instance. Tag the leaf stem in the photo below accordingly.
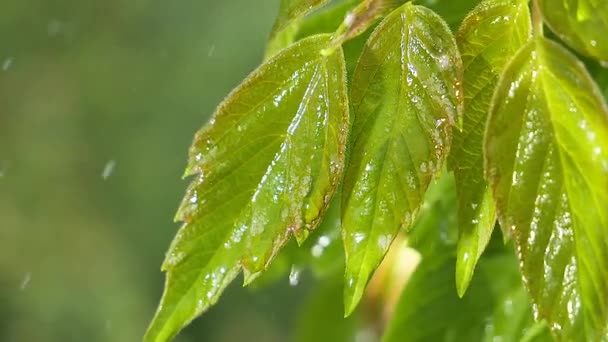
(537, 19)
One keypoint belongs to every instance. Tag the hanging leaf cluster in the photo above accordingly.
(390, 139)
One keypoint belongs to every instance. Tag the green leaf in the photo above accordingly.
(406, 91)
(487, 39)
(434, 232)
(583, 24)
(266, 166)
(322, 252)
(495, 308)
(286, 25)
(546, 155)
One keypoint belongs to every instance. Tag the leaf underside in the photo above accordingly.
(405, 96)
(546, 155)
(488, 37)
(266, 167)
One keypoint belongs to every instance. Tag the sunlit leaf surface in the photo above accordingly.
(583, 24)
(546, 151)
(405, 95)
(286, 25)
(266, 167)
(489, 36)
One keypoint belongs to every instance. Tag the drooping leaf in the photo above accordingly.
(286, 25)
(583, 24)
(406, 92)
(322, 253)
(546, 155)
(489, 36)
(266, 167)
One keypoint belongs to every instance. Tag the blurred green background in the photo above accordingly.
(99, 101)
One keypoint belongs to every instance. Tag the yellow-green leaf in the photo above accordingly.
(266, 167)
(488, 37)
(583, 24)
(546, 155)
(406, 93)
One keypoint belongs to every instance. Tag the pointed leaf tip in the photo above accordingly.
(405, 95)
(272, 156)
(488, 37)
(546, 155)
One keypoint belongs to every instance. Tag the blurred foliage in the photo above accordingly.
(88, 85)
(99, 102)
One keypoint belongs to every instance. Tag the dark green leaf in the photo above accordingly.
(405, 95)
(583, 24)
(489, 36)
(546, 155)
(266, 168)
(495, 308)
(286, 25)
(322, 320)
(452, 11)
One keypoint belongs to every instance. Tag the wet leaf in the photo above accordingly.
(489, 36)
(405, 95)
(266, 167)
(582, 24)
(546, 155)
(322, 253)
(286, 25)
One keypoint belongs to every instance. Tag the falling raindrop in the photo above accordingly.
(108, 169)
(349, 19)
(211, 50)
(316, 251)
(26, 281)
(324, 241)
(3, 168)
(54, 27)
(7, 63)
(294, 276)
